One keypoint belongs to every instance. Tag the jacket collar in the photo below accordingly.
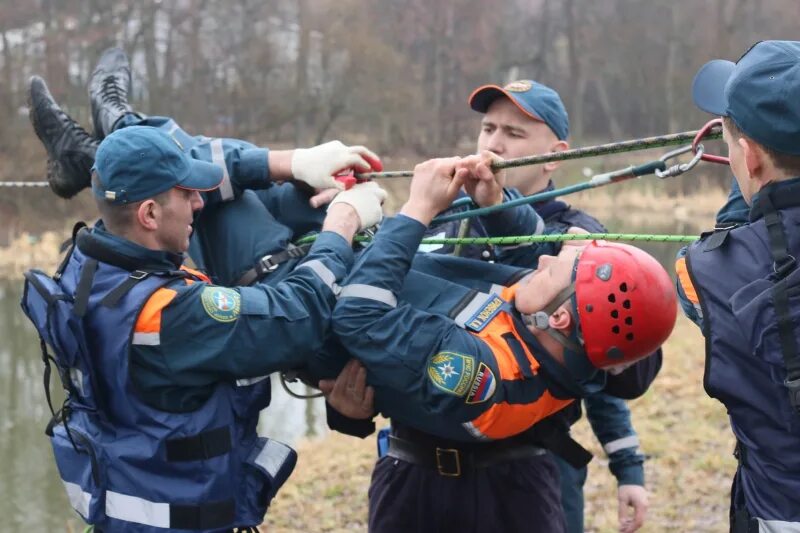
(549, 209)
(106, 247)
(783, 194)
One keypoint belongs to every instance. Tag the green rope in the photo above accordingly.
(632, 145)
(558, 237)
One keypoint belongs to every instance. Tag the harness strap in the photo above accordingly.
(75, 230)
(784, 264)
(270, 262)
(84, 287)
(199, 447)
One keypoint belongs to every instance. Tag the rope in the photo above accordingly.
(632, 145)
(24, 184)
(556, 237)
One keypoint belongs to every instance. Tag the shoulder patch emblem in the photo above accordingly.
(483, 385)
(519, 86)
(484, 315)
(221, 304)
(451, 372)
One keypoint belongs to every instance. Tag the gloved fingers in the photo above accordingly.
(370, 157)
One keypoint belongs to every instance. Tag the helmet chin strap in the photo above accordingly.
(541, 321)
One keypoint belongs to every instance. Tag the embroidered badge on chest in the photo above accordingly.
(483, 385)
(221, 304)
(451, 372)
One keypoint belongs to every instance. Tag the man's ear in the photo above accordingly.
(753, 159)
(558, 146)
(147, 214)
(561, 319)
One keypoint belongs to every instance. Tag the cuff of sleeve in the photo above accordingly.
(404, 231)
(520, 220)
(629, 475)
(253, 169)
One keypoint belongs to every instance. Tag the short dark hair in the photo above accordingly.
(787, 163)
(118, 218)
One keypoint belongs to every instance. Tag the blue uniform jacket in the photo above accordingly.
(202, 333)
(404, 346)
(609, 416)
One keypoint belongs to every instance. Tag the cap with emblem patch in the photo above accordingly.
(536, 100)
(139, 162)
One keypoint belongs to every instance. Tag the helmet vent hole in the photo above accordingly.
(614, 314)
(612, 298)
(615, 329)
(629, 320)
(629, 336)
(626, 304)
(589, 308)
(623, 287)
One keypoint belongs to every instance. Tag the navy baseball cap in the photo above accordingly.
(760, 93)
(139, 162)
(538, 101)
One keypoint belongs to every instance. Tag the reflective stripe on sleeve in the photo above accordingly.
(631, 441)
(323, 273)
(358, 290)
(218, 158)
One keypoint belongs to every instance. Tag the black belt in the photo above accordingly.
(270, 262)
(453, 461)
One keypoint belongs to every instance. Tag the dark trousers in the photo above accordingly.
(572, 481)
(520, 495)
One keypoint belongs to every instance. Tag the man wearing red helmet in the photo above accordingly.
(492, 365)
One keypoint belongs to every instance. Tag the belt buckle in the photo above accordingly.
(442, 469)
(267, 264)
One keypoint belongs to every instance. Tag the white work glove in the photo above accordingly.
(318, 165)
(367, 199)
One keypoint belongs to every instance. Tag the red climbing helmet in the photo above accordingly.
(626, 303)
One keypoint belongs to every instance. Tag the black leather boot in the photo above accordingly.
(70, 148)
(108, 91)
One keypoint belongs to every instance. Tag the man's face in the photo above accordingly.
(175, 219)
(543, 285)
(510, 133)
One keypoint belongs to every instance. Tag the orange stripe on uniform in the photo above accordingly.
(149, 320)
(686, 281)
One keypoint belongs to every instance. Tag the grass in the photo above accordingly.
(684, 433)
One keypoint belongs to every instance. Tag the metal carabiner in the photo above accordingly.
(701, 133)
(680, 168)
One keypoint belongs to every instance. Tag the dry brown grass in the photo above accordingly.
(684, 432)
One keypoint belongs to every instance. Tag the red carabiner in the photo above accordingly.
(711, 124)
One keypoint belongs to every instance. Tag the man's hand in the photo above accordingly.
(635, 497)
(435, 184)
(367, 200)
(483, 184)
(575, 230)
(318, 165)
(349, 393)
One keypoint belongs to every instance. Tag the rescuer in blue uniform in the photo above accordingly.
(464, 369)
(164, 371)
(520, 119)
(740, 282)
